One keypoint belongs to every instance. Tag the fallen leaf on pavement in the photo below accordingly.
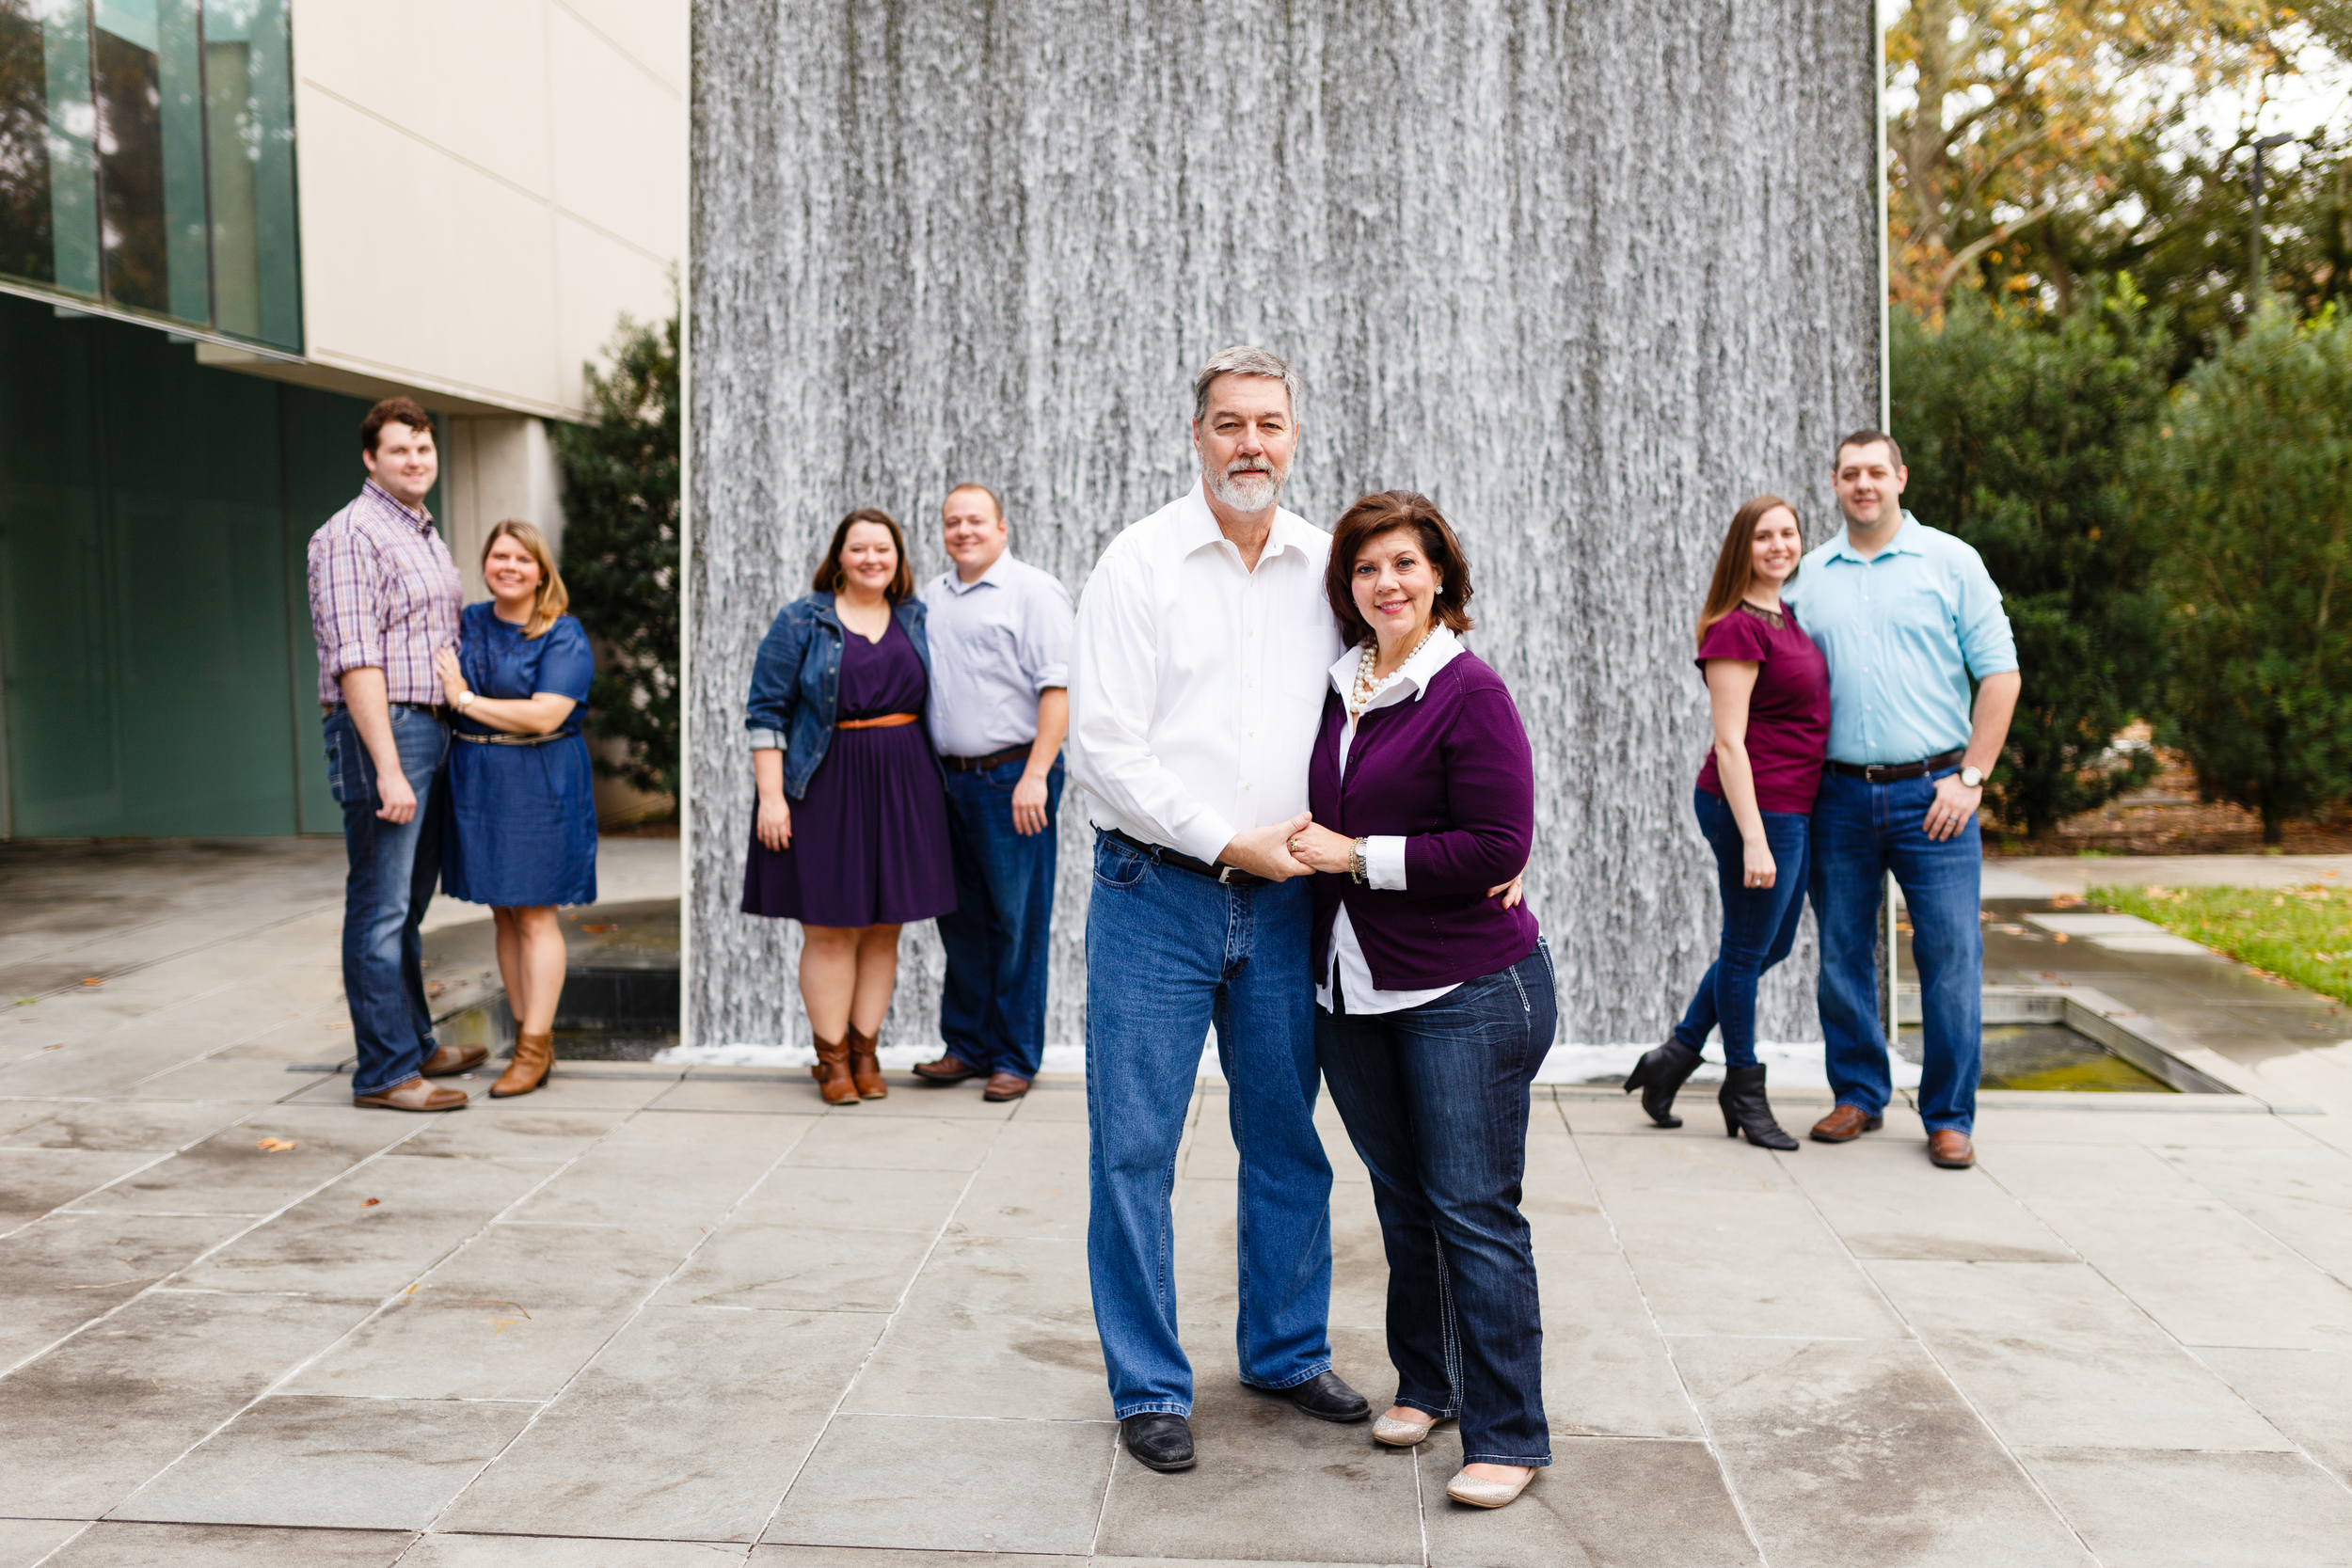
(371, 1203)
(275, 1146)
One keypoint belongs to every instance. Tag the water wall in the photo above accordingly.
(1587, 273)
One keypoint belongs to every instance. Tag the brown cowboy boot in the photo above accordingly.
(533, 1062)
(831, 1073)
(864, 1069)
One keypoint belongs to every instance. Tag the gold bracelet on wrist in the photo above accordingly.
(1356, 868)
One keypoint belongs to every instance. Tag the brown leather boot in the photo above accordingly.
(864, 1069)
(831, 1073)
(533, 1060)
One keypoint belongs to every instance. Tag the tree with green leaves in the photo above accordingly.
(2017, 430)
(2248, 482)
(621, 547)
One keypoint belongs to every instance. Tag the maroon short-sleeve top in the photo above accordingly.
(1788, 711)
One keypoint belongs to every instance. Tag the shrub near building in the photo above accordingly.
(2248, 485)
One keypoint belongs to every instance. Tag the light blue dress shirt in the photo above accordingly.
(1903, 631)
(998, 644)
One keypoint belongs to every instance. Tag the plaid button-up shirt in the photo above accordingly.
(384, 595)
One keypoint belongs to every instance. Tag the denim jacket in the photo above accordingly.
(796, 683)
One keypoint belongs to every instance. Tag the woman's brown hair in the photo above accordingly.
(829, 573)
(552, 599)
(1735, 564)
(1384, 513)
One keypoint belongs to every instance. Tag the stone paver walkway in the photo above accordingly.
(653, 1317)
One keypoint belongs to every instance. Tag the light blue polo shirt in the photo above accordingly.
(1903, 631)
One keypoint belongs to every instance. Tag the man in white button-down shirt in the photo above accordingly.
(1204, 646)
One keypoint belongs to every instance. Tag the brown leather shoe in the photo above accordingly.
(415, 1095)
(1004, 1085)
(1844, 1124)
(533, 1060)
(950, 1069)
(449, 1060)
(1950, 1147)
(831, 1071)
(865, 1071)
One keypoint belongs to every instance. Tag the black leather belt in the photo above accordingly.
(1887, 773)
(972, 765)
(1231, 876)
(510, 739)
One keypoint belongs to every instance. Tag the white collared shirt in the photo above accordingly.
(998, 643)
(1197, 685)
(1383, 854)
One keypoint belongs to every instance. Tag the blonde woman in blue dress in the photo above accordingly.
(522, 830)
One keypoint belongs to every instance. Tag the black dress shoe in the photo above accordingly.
(1158, 1440)
(1326, 1398)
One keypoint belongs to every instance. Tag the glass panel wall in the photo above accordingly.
(147, 159)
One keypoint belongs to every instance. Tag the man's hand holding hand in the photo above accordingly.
(1263, 852)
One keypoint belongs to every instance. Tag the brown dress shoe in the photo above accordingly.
(865, 1071)
(1004, 1085)
(449, 1060)
(831, 1073)
(950, 1069)
(1950, 1147)
(415, 1095)
(1844, 1124)
(533, 1060)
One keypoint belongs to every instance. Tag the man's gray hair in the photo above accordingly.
(1241, 360)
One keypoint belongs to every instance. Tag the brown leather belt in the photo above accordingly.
(1887, 773)
(1231, 876)
(994, 759)
(887, 722)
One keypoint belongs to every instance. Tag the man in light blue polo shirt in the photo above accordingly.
(1000, 633)
(1906, 616)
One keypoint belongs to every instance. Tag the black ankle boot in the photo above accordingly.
(1745, 1110)
(1659, 1075)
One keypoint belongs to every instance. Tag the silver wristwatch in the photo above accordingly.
(1972, 777)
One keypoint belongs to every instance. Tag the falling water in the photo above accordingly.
(1589, 275)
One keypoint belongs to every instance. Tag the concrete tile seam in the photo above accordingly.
(2343, 1481)
(1016, 1420)
(662, 1284)
(1935, 1360)
(375, 1312)
(207, 1254)
(890, 1322)
(1683, 1381)
(51, 1555)
(162, 959)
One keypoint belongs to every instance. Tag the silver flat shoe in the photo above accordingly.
(1486, 1494)
(1402, 1435)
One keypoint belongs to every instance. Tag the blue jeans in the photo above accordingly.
(1861, 831)
(1435, 1098)
(992, 1012)
(393, 868)
(1169, 952)
(1759, 925)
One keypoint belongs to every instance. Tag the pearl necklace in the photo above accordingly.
(1367, 687)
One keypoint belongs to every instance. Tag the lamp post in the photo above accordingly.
(2260, 287)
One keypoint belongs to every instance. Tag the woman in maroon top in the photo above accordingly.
(1768, 688)
(1434, 986)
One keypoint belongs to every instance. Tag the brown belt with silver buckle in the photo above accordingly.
(1231, 876)
(887, 722)
(994, 759)
(1887, 773)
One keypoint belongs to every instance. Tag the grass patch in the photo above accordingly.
(2303, 934)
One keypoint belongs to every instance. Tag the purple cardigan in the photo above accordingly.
(1450, 772)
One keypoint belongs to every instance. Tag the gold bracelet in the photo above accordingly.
(1356, 862)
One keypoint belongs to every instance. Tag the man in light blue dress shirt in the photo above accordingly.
(1000, 633)
(1906, 616)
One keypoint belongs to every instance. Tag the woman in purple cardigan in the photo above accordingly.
(1434, 987)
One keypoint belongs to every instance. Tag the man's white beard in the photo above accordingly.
(1246, 492)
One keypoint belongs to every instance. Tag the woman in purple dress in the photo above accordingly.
(1769, 689)
(851, 838)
